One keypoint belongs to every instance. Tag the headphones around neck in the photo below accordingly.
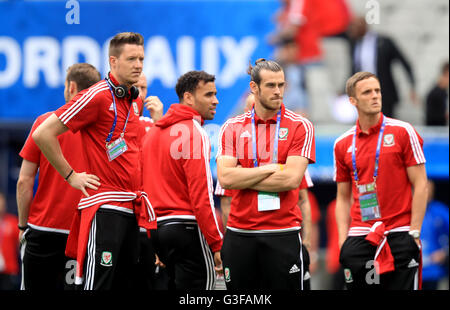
(121, 91)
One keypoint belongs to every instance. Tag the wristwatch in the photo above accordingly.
(414, 233)
(22, 227)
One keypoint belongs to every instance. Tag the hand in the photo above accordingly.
(313, 267)
(21, 236)
(438, 256)
(158, 262)
(82, 180)
(419, 245)
(155, 107)
(218, 263)
(271, 167)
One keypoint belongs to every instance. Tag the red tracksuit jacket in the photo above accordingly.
(176, 171)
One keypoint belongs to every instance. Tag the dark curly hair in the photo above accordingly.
(189, 81)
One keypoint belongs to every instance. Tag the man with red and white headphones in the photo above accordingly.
(104, 234)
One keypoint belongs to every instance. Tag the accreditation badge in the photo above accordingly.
(268, 201)
(368, 202)
(116, 148)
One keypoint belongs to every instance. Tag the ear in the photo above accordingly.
(254, 87)
(112, 61)
(188, 99)
(353, 101)
(73, 88)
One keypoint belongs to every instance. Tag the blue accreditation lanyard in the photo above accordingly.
(377, 153)
(275, 145)
(108, 139)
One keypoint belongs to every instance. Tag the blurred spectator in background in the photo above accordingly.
(301, 25)
(436, 106)
(151, 103)
(310, 215)
(333, 266)
(298, 45)
(333, 17)
(296, 96)
(376, 53)
(434, 239)
(9, 248)
(315, 232)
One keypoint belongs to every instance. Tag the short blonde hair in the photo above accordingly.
(350, 86)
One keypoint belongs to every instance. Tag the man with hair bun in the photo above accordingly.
(263, 155)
